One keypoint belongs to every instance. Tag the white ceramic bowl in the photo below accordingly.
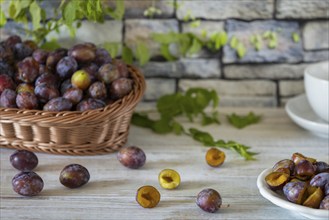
(281, 201)
(316, 81)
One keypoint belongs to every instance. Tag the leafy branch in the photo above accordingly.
(192, 105)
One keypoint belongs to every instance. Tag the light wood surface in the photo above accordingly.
(110, 194)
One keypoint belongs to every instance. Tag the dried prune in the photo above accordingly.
(132, 157)
(209, 200)
(27, 183)
(74, 176)
(24, 160)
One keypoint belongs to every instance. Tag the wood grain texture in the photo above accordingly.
(110, 194)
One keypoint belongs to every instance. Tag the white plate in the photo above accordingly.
(299, 110)
(279, 200)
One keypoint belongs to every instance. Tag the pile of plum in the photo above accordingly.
(83, 77)
(302, 180)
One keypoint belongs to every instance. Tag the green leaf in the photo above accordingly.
(241, 50)
(50, 45)
(272, 44)
(127, 55)
(168, 105)
(195, 24)
(3, 19)
(267, 34)
(12, 10)
(142, 53)
(177, 128)
(295, 37)
(210, 119)
(69, 12)
(241, 121)
(112, 48)
(162, 126)
(185, 42)
(234, 42)
(201, 136)
(141, 120)
(223, 38)
(195, 47)
(165, 52)
(119, 10)
(165, 38)
(35, 12)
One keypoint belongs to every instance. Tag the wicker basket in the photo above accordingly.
(91, 132)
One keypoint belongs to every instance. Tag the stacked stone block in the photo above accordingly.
(267, 78)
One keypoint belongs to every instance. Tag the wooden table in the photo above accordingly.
(110, 194)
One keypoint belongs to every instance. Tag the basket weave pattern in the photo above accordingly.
(98, 131)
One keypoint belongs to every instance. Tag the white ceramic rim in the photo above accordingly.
(318, 128)
(308, 71)
(279, 200)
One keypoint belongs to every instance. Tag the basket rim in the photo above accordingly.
(127, 102)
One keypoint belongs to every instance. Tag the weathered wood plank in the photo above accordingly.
(110, 194)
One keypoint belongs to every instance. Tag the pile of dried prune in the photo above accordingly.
(83, 77)
(302, 180)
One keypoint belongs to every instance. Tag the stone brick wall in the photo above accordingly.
(261, 78)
